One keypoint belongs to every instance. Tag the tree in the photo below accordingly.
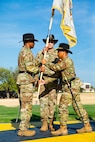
(7, 81)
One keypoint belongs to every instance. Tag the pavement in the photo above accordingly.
(8, 133)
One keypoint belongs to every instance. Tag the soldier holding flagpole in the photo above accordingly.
(70, 92)
(47, 94)
(25, 81)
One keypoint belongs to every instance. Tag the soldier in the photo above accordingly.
(71, 92)
(25, 80)
(48, 90)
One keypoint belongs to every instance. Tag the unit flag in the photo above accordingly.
(66, 25)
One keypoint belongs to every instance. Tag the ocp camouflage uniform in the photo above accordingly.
(48, 91)
(66, 67)
(25, 80)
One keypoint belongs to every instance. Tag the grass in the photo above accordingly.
(7, 114)
(73, 116)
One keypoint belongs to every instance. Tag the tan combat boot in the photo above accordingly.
(26, 133)
(51, 125)
(86, 129)
(44, 126)
(60, 132)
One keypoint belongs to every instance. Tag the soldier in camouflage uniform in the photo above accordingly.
(48, 90)
(71, 92)
(25, 80)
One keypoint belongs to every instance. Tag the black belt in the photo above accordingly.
(25, 72)
(22, 71)
(69, 80)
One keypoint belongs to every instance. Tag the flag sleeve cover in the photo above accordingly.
(67, 24)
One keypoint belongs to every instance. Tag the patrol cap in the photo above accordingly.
(51, 38)
(64, 47)
(29, 37)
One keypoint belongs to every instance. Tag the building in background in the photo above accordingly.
(86, 87)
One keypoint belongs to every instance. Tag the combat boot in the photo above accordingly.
(44, 126)
(86, 129)
(51, 125)
(26, 133)
(62, 131)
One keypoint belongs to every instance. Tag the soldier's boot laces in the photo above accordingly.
(44, 126)
(86, 129)
(62, 131)
(26, 133)
(51, 125)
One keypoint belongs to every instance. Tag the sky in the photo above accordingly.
(33, 16)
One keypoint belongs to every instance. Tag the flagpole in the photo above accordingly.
(49, 29)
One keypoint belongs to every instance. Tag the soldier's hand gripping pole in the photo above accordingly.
(49, 29)
(69, 86)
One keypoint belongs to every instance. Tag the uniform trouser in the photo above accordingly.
(67, 99)
(26, 97)
(48, 101)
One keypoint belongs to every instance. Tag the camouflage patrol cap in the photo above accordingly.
(64, 47)
(29, 37)
(51, 38)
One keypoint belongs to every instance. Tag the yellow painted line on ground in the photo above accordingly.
(86, 137)
(6, 126)
(9, 126)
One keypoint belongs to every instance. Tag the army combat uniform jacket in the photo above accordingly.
(49, 75)
(27, 68)
(66, 67)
